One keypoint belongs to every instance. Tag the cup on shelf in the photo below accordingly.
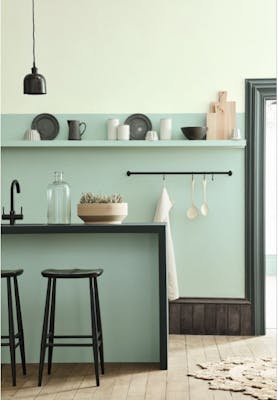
(123, 132)
(151, 135)
(112, 126)
(236, 134)
(32, 134)
(165, 130)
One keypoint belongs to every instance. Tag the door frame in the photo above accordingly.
(257, 92)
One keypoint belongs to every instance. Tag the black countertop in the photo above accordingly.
(158, 228)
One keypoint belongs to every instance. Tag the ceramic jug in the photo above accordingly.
(74, 129)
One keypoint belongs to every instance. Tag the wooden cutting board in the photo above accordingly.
(221, 119)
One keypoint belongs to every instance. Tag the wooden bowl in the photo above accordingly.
(102, 213)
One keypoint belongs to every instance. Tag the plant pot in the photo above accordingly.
(102, 213)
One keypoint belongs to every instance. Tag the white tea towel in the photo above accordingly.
(163, 208)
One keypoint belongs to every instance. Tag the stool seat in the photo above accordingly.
(11, 273)
(72, 273)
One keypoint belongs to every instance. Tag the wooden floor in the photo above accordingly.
(142, 381)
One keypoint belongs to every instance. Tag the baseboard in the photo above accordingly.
(210, 316)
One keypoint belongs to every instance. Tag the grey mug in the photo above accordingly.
(75, 132)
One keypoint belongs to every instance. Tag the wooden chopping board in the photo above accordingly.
(221, 119)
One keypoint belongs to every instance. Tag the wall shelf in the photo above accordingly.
(223, 144)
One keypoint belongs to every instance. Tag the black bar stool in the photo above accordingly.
(9, 275)
(48, 336)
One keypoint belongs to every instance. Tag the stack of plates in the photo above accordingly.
(139, 126)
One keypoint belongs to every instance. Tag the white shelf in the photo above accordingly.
(223, 144)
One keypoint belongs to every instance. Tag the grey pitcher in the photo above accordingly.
(74, 129)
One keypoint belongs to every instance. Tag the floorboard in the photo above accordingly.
(142, 381)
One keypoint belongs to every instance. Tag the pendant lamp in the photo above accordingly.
(34, 83)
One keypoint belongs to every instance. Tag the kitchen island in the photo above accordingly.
(133, 290)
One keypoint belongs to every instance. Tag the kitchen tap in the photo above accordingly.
(12, 216)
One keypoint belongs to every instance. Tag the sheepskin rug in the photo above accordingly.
(256, 378)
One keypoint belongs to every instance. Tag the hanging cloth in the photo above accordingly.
(163, 208)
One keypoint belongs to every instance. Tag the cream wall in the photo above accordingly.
(130, 56)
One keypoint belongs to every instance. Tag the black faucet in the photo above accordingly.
(12, 216)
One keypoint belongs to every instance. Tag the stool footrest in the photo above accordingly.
(71, 336)
(8, 344)
(7, 337)
(72, 344)
(69, 345)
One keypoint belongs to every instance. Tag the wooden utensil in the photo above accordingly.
(192, 212)
(212, 133)
(221, 118)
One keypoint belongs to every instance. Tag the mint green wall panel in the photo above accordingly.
(14, 125)
(271, 264)
(128, 292)
(209, 250)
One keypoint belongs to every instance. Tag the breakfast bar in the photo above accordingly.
(34, 241)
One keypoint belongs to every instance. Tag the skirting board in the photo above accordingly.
(210, 316)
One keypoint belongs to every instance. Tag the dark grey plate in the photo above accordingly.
(47, 126)
(139, 126)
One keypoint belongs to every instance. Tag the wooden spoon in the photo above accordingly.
(192, 212)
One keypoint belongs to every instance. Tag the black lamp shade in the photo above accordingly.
(34, 83)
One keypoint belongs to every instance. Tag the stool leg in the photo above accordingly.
(20, 326)
(44, 332)
(94, 329)
(11, 330)
(99, 326)
(51, 326)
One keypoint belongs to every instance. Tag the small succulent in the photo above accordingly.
(89, 197)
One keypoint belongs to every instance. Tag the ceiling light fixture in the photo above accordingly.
(34, 83)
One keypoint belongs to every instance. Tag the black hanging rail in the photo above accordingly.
(179, 173)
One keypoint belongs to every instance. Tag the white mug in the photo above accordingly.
(151, 135)
(32, 134)
(165, 131)
(112, 126)
(123, 132)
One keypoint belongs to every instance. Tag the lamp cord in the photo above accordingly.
(33, 15)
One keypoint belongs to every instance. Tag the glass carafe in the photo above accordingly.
(58, 201)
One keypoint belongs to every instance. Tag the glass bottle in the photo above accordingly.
(58, 201)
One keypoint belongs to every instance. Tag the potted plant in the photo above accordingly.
(101, 209)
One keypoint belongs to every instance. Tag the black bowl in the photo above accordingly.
(195, 132)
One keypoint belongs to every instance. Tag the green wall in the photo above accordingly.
(209, 250)
(270, 264)
(128, 292)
